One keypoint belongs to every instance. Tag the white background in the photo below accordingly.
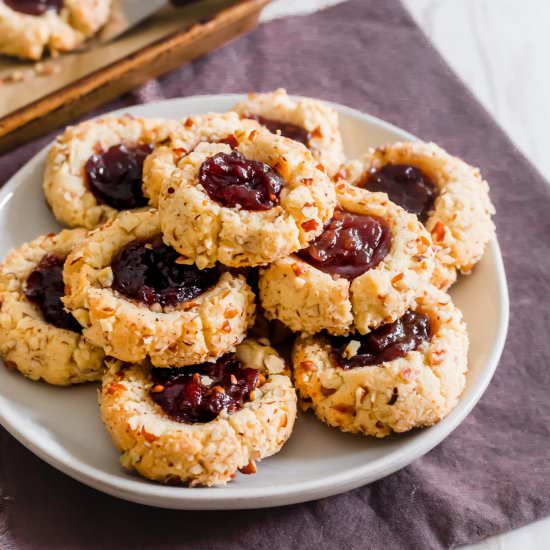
(501, 49)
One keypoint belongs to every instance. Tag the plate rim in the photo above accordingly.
(218, 498)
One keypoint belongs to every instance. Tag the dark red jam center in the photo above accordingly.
(233, 180)
(149, 273)
(186, 395)
(115, 175)
(386, 343)
(350, 245)
(45, 289)
(287, 129)
(34, 7)
(405, 185)
(230, 140)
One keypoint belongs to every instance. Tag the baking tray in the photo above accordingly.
(35, 99)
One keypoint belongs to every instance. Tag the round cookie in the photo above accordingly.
(307, 120)
(393, 391)
(84, 157)
(56, 25)
(459, 213)
(135, 299)
(30, 343)
(166, 447)
(209, 127)
(245, 201)
(310, 297)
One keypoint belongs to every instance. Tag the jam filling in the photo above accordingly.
(230, 140)
(151, 274)
(349, 245)
(406, 186)
(385, 343)
(199, 393)
(233, 180)
(45, 288)
(287, 129)
(34, 7)
(115, 175)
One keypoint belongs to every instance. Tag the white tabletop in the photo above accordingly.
(500, 50)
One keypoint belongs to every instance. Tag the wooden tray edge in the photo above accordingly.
(99, 87)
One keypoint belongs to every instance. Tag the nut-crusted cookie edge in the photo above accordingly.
(413, 391)
(320, 120)
(204, 231)
(167, 451)
(198, 330)
(308, 300)
(460, 224)
(28, 343)
(65, 186)
(28, 36)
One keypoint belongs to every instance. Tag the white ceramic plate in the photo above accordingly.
(62, 426)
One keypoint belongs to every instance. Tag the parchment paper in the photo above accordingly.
(53, 74)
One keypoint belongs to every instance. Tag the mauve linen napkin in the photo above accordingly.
(493, 473)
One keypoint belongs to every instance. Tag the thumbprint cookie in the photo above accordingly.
(135, 298)
(38, 336)
(308, 121)
(30, 27)
(364, 270)
(94, 170)
(405, 374)
(449, 196)
(245, 200)
(210, 127)
(200, 424)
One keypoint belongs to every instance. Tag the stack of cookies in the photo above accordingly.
(191, 243)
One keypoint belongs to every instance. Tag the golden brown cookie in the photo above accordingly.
(135, 299)
(182, 139)
(36, 336)
(26, 32)
(358, 384)
(338, 296)
(179, 442)
(307, 120)
(459, 219)
(244, 201)
(110, 151)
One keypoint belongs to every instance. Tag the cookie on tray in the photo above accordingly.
(449, 196)
(307, 120)
(37, 336)
(365, 269)
(30, 27)
(94, 169)
(242, 409)
(403, 375)
(244, 200)
(136, 299)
